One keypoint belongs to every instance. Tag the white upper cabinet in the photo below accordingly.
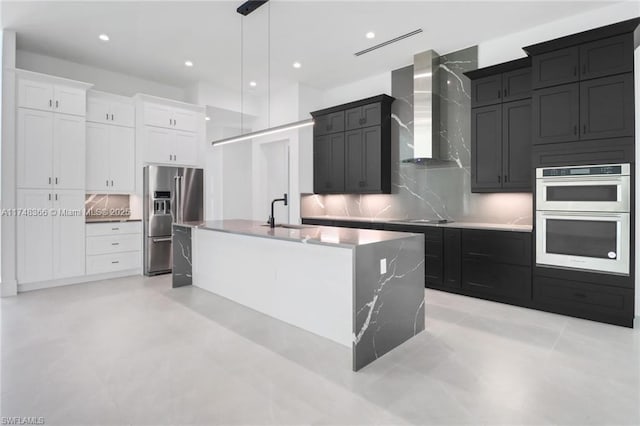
(169, 132)
(169, 117)
(110, 109)
(68, 152)
(110, 158)
(34, 134)
(35, 94)
(49, 93)
(69, 100)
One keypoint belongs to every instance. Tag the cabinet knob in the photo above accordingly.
(50, 103)
(107, 183)
(56, 104)
(499, 179)
(107, 116)
(111, 183)
(362, 183)
(111, 117)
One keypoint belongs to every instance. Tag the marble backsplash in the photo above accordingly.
(430, 191)
(106, 207)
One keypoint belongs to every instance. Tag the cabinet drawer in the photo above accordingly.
(497, 246)
(104, 263)
(583, 299)
(105, 244)
(496, 280)
(114, 228)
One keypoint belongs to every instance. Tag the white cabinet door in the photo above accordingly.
(35, 94)
(70, 100)
(158, 145)
(98, 109)
(121, 159)
(97, 167)
(122, 114)
(68, 234)
(69, 151)
(185, 148)
(157, 115)
(184, 119)
(35, 236)
(34, 136)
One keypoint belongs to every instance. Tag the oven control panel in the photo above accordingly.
(608, 169)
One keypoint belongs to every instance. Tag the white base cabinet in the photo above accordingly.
(113, 246)
(50, 234)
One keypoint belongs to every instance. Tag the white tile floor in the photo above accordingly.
(134, 351)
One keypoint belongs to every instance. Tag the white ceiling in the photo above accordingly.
(152, 39)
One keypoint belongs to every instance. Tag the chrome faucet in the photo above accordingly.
(272, 219)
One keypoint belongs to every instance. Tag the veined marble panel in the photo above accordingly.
(182, 256)
(106, 207)
(388, 307)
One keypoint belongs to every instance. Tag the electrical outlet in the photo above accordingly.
(383, 266)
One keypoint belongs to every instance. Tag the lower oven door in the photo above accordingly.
(592, 241)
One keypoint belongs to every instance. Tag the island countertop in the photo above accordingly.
(307, 234)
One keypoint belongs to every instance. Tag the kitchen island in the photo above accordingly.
(363, 289)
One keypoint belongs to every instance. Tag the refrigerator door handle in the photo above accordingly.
(178, 202)
(161, 240)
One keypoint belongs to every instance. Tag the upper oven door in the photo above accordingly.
(592, 241)
(586, 193)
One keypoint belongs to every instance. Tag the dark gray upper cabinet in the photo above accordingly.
(486, 148)
(613, 55)
(516, 85)
(554, 68)
(556, 114)
(329, 123)
(607, 107)
(516, 145)
(501, 132)
(364, 116)
(328, 170)
(363, 150)
(486, 90)
(359, 161)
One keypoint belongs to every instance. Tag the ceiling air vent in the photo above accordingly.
(388, 42)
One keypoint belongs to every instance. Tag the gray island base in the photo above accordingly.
(363, 289)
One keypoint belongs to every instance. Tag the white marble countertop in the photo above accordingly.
(308, 234)
(455, 224)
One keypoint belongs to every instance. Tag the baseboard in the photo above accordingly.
(636, 322)
(9, 288)
(76, 280)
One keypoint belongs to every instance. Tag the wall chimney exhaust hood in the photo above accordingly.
(426, 109)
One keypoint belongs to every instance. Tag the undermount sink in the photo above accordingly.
(289, 226)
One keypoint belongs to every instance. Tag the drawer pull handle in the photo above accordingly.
(116, 261)
(473, 253)
(115, 229)
(480, 285)
(580, 295)
(115, 244)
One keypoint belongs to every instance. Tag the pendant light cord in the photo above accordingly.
(241, 76)
(269, 65)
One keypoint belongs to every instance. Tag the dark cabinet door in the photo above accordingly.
(433, 256)
(516, 85)
(486, 148)
(486, 91)
(554, 68)
(497, 246)
(496, 280)
(328, 164)
(329, 123)
(452, 260)
(364, 116)
(605, 57)
(363, 166)
(606, 107)
(556, 114)
(516, 145)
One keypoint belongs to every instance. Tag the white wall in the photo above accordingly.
(637, 99)
(9, 286)
(510, 46)
(107, 81)
(361, 89)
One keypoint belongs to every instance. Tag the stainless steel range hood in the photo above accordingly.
(426, 109)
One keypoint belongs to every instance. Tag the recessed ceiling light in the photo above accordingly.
(207, 118)
(297, 64)
(253, 84)
(188, 63)
(370, 34)
(103, 37)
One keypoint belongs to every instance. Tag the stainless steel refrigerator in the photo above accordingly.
(171, 195)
